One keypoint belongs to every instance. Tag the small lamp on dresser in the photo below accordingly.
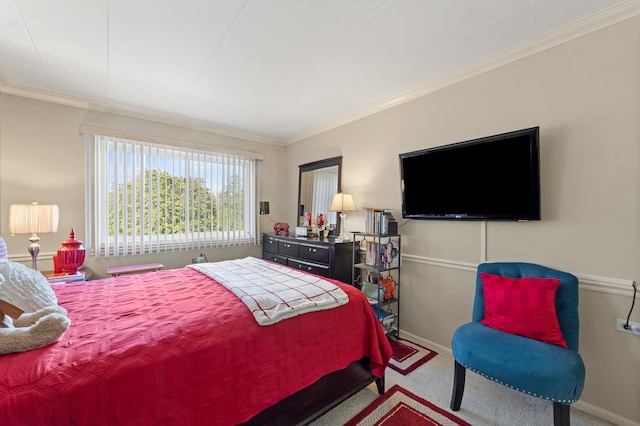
(33, 219)
(343, 203)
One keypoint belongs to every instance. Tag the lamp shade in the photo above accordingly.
(33, 218)
(342, 203)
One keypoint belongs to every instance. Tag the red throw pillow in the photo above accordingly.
(522, 306)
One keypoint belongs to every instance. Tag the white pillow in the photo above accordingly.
(24, 287)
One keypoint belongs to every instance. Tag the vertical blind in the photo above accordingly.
(151, 197)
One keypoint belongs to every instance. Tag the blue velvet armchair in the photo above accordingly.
(531, 366)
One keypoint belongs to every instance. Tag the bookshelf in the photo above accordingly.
(376, 271)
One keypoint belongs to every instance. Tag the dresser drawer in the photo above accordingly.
(275, 258)
(270, 244)
(310, 267)
(288, 248)
(313, 252)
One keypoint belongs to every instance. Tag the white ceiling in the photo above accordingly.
(275, 70)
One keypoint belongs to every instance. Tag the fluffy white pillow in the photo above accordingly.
(24, 287)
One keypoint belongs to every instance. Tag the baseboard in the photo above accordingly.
(428, 343)
(586, 407)
(603, 414)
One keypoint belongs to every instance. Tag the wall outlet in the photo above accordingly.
(634, 327)
(200, 259)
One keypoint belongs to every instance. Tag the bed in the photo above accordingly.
(175, 347)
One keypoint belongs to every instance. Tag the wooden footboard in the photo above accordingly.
(313, 401)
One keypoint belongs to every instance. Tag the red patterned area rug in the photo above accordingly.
(400, 407)
(407, 356)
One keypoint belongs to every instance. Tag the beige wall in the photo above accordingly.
(42, 158)
(585, 96)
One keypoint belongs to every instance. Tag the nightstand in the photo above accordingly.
(63, 277)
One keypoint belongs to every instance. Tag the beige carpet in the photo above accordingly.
(485, 403)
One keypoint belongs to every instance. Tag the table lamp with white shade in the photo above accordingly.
(33, 219)
(343, 203)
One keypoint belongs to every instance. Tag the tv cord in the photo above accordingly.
(633, 302)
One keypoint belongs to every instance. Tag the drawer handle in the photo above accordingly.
(312, 250)
(287, 245)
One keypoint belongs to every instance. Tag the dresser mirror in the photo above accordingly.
(317, 184)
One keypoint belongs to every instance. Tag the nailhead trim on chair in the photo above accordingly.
(564, 401)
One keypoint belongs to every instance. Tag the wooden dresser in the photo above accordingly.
(315, 255)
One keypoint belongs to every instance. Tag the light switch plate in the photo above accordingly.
(264, 207)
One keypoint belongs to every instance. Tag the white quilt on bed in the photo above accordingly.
(273, 292)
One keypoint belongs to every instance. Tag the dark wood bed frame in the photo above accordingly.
(308, 404)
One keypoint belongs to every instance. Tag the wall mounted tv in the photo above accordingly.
(491, 178)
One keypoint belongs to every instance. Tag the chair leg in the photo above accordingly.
(561, 414)
(459, 375)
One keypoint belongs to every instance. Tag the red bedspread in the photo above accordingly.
(174, 347)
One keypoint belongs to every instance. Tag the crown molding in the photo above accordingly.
(613, 15)
(40, 95)
(26, 92)
(607, 17)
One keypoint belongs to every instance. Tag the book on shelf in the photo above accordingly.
(371, 253)
(384, 255)
(378, 221)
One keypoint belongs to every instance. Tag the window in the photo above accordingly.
(150, 197)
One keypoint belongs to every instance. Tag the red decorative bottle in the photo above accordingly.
(71, 254)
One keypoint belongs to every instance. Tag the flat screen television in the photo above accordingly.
(490, 178)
